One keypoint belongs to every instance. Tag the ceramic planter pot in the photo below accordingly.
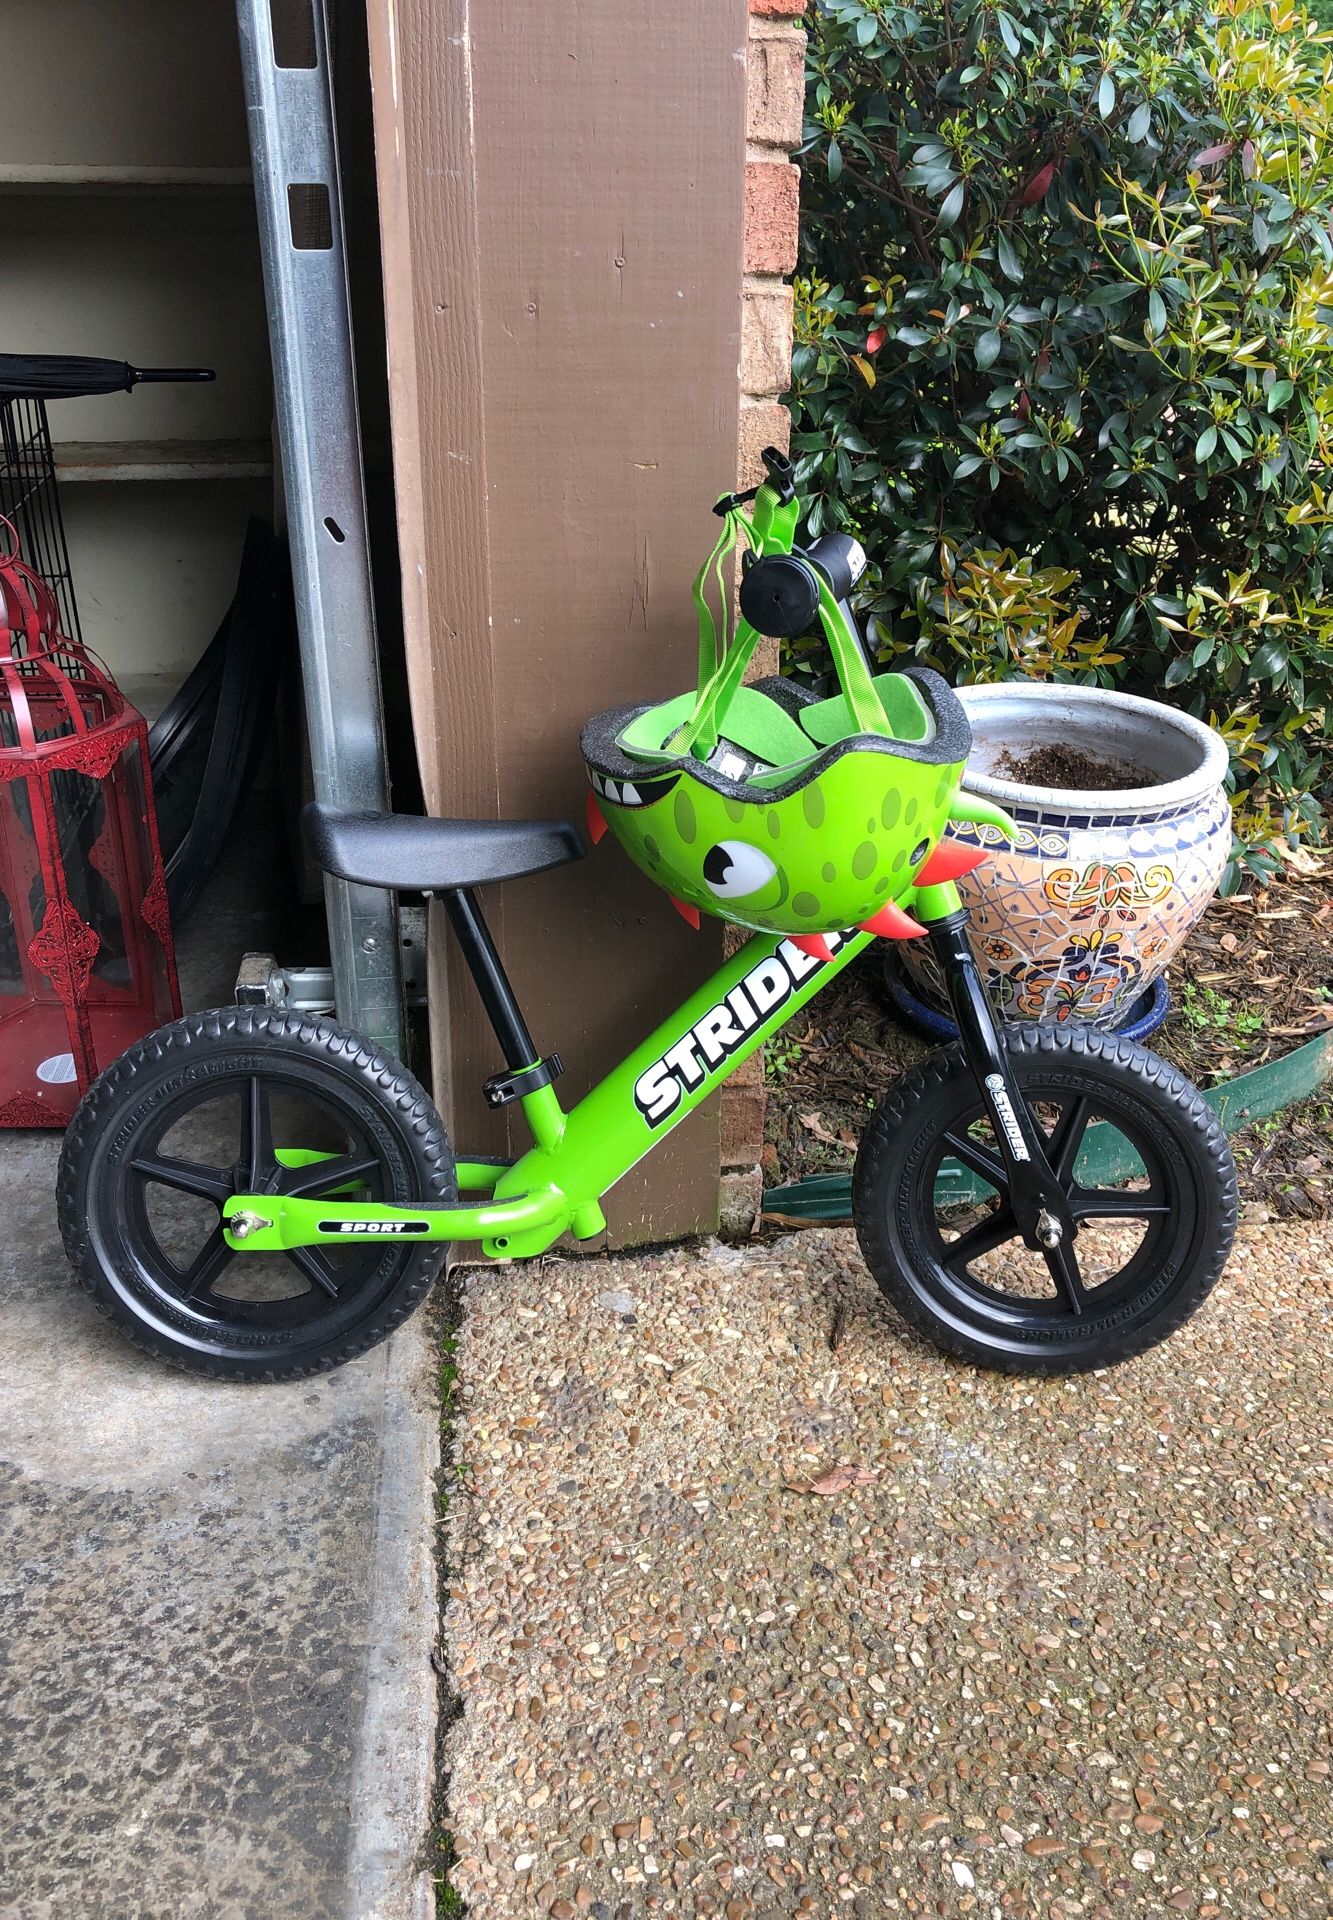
(1085, 911)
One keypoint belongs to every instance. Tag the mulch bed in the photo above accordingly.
(1253, 982)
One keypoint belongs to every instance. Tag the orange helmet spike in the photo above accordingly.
(596, 819)
(950, 861)
(812, 943)
(891, 923)
(690, 915)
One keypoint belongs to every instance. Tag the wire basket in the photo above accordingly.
(30, 501)
(29, 497)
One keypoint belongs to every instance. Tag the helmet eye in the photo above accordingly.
(733, 868)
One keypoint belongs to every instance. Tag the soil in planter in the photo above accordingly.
(1253, 982)
(1069, 767)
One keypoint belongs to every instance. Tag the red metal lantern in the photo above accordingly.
(86, 960)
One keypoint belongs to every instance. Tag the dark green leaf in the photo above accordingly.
(988, 348)
(1007, 255)
(1267, 660)
(952, 205)
(1111, 296)
(834, 160)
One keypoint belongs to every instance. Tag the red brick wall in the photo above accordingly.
(775, 63)
(774, 94)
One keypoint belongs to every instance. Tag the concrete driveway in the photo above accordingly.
(217, 1604)
(1040, 1650)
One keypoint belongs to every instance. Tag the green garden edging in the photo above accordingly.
(1253, 1096)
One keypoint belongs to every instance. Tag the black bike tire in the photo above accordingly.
(898, 1137)
(411, 1132)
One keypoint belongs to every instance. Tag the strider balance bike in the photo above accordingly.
(257, 1194)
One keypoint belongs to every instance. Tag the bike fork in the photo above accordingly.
(1034, 1192)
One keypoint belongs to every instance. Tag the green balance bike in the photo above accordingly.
(256, 1194)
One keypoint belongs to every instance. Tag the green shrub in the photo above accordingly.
(1063, 340)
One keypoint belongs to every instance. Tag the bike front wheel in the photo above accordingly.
(1147, 1173)
(248, 1100)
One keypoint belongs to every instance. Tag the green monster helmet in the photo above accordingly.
(766, 805)
(797, 824)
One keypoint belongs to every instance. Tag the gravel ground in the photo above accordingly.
(1060, 1649)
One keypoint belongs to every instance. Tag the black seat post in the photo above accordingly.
(487, 969)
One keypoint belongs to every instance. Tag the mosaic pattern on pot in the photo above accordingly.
(1078, 918)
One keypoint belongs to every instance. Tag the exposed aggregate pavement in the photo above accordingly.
(1064, 1652)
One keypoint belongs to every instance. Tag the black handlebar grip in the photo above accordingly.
(780, 595)
(841, 559)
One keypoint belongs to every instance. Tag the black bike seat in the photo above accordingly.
(408, 852)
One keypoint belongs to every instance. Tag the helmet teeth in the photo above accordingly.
(629, 795)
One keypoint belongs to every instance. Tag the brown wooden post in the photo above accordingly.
(562, 192)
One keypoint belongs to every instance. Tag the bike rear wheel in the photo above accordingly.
(248, 1100)
(931, 1206)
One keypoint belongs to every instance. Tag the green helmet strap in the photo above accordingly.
(724, 656)
(714, 637)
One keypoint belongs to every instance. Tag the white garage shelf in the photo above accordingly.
(20, 177)
(85, 461)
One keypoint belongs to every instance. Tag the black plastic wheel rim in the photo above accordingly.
(983, 1276)
(204, 1292)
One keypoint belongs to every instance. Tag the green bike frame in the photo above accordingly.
(523, 1207)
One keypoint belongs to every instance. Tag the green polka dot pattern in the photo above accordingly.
(822, 857)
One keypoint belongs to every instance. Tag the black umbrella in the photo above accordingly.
(55, 376)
